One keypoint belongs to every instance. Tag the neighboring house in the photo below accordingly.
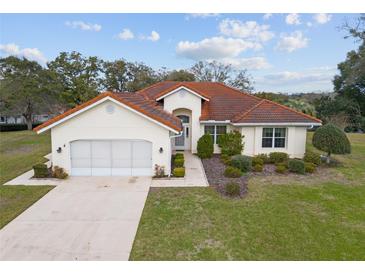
(130, 133)
(20, 120)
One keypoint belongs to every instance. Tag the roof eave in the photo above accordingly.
(41, 128)
(179, 87)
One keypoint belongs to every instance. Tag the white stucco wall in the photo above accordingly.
(295, 142)
(184, 99)
(96, 123)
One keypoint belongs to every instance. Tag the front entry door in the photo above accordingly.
(183, 142)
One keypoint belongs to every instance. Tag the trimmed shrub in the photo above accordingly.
(41, 171)
(59, 173)
(331, 139)
(310, 167)
(281, 168)
(225, 159)
(179, 162)
(231, 143)
(232, 172)
(312, 157)
(242, 162)
(179, 156)
(296, 166)
(278, 157)
(256, 160)
(205, 146)
(232, 189)
(258, 168)
(15, 127)
(179, 172)
(264, 157)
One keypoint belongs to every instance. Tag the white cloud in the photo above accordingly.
(33, 54)
(83, 26)
(267, 16)
(309, 24)
(253, 63)
(293, 19)
(250, 30)
(125, 34)
(292, 42)
(308, 80)
(214, 48)
(154, 36)
(322, 18)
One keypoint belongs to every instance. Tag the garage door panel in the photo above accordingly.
(142, 154)
(96, 171)
(80, 149)
(121, 154)
(121, 171)
(80, 171)
(81, 162)
(111, 158)
(141, 171)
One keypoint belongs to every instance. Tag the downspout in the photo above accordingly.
(177, 135)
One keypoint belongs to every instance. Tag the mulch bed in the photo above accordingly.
(214, 169)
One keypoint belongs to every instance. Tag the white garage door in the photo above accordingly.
(111, 158)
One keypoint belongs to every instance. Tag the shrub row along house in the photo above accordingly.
(130, 133)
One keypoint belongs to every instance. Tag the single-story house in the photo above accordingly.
(129, 133)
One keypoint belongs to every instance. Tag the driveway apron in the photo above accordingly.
(86, 218)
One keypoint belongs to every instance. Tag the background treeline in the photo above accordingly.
(27, 88)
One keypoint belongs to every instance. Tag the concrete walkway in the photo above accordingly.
(194, 174)
(83, 218)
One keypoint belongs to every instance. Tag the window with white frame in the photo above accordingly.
(215, 131)
(274, 137)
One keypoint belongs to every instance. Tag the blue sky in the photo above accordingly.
(283, 52)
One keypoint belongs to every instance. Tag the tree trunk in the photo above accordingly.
(28, 115)
(29, 123)
(328, 160)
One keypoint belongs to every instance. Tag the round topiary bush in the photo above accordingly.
(281, 168)
(242, 162)
(179, 172)
(41, 171)
(225, 159)
(278, 157)
(312, 157)
(256, 160)
(179, 156)
(232, 189)
(232, 172)
(310, 167)
(179, 162)
(264, 157)
(258, 168)
(331, 139)
(231, 143)
(205, 146)
(296, 166)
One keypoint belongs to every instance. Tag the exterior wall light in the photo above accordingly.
(59, 149)
(160, 150)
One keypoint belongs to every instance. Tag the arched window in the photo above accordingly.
(184, 118)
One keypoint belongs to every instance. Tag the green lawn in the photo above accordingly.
(313, 217)
(19, 151)
(15, 199)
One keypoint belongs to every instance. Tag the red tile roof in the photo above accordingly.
(133, 100)
(226, 103)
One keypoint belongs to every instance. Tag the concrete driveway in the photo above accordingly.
(85, 218)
